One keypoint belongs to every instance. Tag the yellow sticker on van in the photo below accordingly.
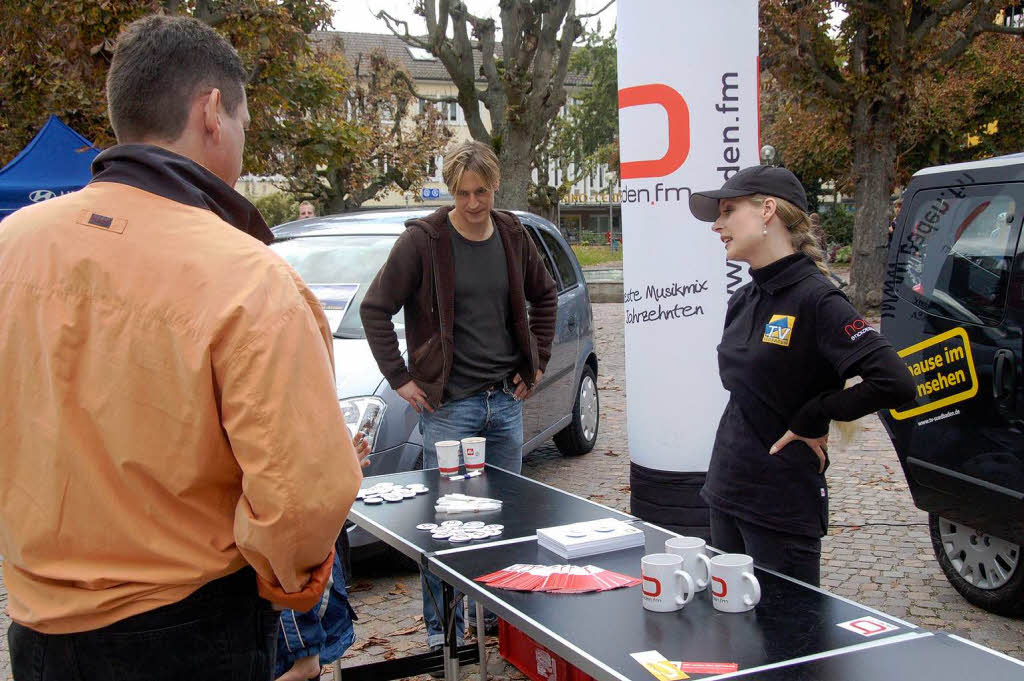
(943, 368)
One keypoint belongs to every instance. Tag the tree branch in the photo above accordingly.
(404, 36)
(594, 14)
(931, 19)
(979, 23)
(1006, 30)
(803, 52)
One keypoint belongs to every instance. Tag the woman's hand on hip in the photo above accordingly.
(817, 445)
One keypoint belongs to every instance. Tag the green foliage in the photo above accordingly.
(277, 208)
(843, 254)
(596, 255)
(837, 224)
(56, 55)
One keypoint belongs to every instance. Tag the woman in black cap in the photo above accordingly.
(791, 339)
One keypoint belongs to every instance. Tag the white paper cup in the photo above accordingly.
(734, 588)
(695, 558)
(666, 586)
(473, 451)
(447, 457)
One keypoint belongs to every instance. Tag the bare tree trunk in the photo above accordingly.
(874, 162)
(516, 160)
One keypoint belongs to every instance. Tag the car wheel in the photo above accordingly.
(580, 435)
(986, 570)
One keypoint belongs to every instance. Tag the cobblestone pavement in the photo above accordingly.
(877, 552)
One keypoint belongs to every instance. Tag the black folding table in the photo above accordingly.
(924, 657)
(527, 505)
(597, 632)
(796, 632)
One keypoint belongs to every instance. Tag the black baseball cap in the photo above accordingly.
(768, 180)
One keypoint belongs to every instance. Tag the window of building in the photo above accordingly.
(420, 54)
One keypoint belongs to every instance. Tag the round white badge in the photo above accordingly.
(459, 538)
(426, 526)
(473, 525)
(392, 497)
(373, 501)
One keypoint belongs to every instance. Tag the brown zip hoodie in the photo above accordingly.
(419, 275)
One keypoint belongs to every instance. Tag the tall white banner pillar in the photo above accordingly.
(688, 120)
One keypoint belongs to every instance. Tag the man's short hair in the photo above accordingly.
(473, 156)
(160, 63)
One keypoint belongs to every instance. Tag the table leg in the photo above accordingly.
(451, 640)
(480, 642)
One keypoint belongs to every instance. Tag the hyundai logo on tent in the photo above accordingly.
(40, 195)
(57, 161)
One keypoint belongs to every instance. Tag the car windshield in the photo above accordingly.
(338, 269)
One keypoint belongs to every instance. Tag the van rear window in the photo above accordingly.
(956, 251)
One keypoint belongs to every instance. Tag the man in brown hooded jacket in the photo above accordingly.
(464, 275)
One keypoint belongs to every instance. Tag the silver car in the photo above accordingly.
(338, 256)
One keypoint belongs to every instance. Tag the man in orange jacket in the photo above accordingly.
(174, 458)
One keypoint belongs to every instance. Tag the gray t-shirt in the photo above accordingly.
(485, 351)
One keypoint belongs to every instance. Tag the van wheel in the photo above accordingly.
(986, 570)
(580, 435)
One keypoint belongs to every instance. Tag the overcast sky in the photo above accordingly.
(359, 15)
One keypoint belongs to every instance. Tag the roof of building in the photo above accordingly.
(423, 67)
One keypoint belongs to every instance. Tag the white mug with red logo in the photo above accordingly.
(473, 452)
(666, 586)
(447, 457)
(695, 558)
(734, 588)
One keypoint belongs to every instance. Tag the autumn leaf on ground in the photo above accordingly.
(360, 586)
(399, 590)
(405, 632)
(610, 453)
(370, 642)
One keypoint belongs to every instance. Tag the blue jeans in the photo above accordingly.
(495, 415)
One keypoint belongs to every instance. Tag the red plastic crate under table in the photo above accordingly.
(533, 659)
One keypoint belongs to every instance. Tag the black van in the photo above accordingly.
(954, 309)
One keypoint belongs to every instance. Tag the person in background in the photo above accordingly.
(897, 205)
(306, 210)
(464, 275)
(819, 236)
(791, 340)
(174, 456)
(306, 641)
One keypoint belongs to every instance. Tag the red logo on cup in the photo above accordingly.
(678, 130)
(718, 581)
(657, 587)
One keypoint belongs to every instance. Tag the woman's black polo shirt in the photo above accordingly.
(790, 336)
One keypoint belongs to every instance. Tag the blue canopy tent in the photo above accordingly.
(55, 162)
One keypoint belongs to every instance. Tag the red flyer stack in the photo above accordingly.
(559, 579)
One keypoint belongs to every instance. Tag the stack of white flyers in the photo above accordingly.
(594, 536)
(461, 503)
